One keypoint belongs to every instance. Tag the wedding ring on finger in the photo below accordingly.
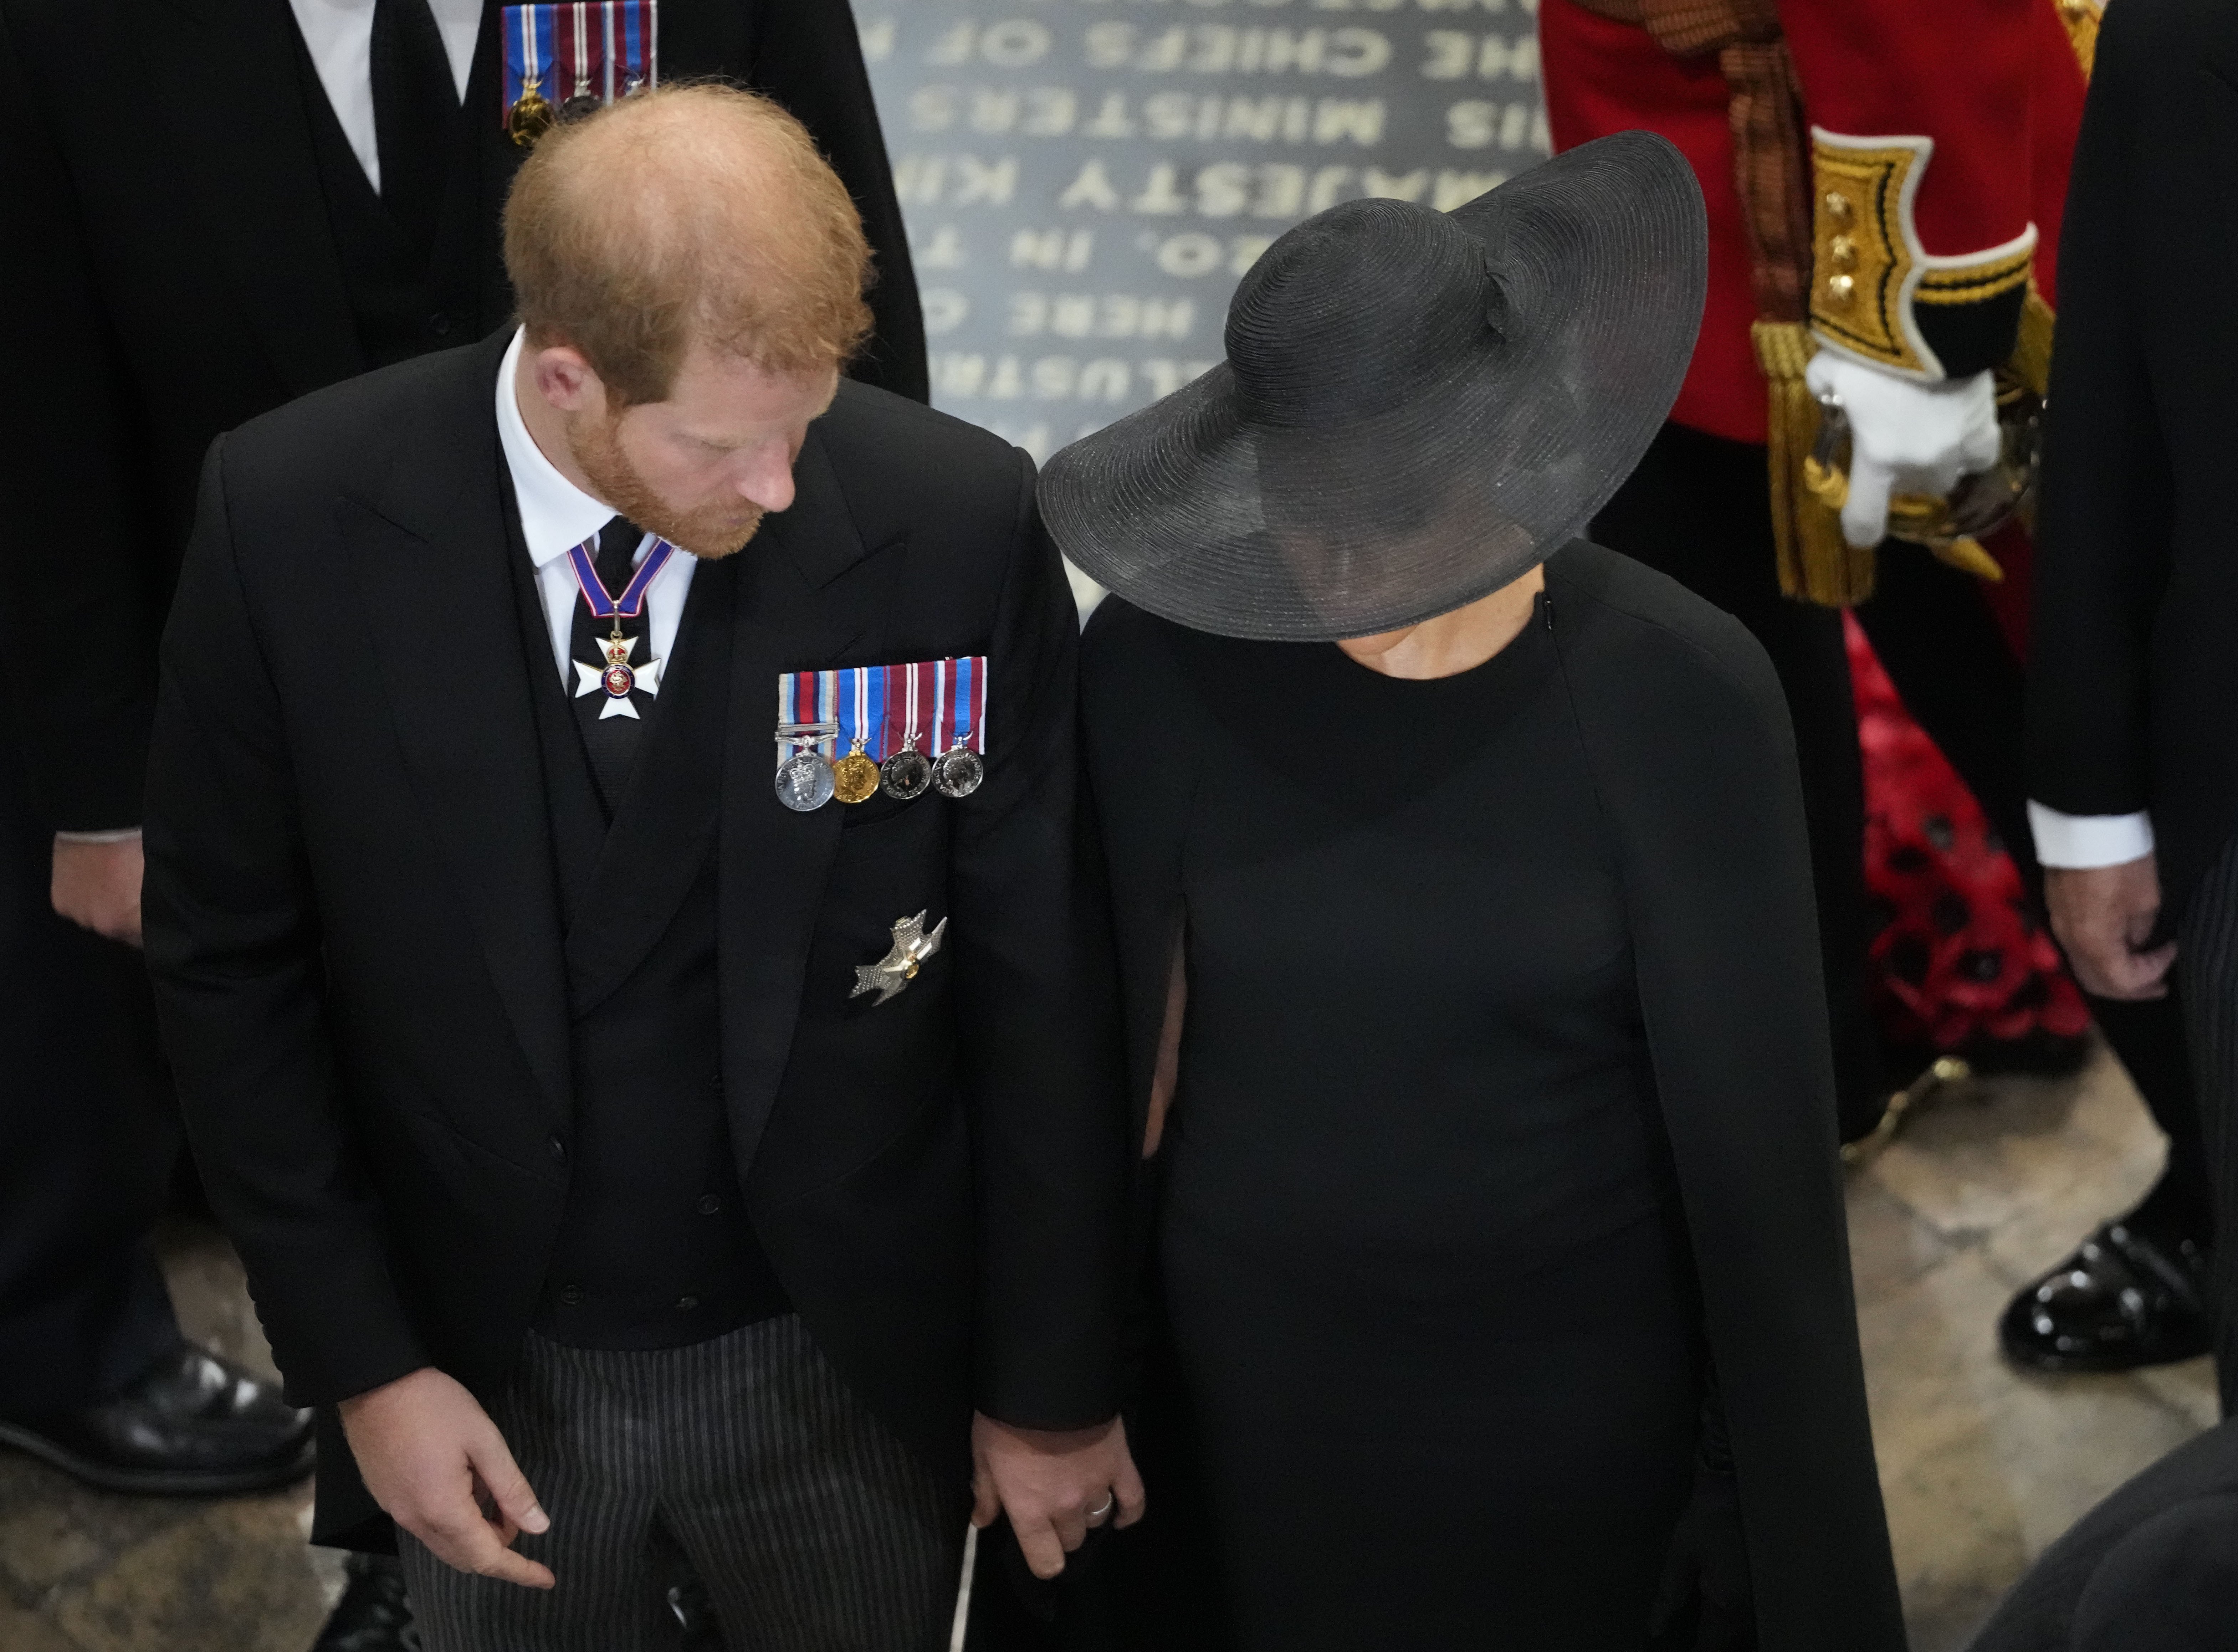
(1096, 1516)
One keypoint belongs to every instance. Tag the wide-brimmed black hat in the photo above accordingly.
(1416, 408)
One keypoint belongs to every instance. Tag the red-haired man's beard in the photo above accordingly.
(710, 532)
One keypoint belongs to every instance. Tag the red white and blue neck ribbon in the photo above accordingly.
(928, 706)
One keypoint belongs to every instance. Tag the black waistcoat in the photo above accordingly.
(655, 1250)
(408, 298)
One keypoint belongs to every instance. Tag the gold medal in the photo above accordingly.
(855, 778)
(530, 117)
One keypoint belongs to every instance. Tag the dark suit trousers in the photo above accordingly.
(2207, 961)
(88, 1139)
(1943, 648)
(814, 1527)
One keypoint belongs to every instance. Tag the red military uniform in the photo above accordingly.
(1885, 179)
(1948, 129)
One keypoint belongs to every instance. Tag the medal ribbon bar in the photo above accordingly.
(607, 47)
(874, 701)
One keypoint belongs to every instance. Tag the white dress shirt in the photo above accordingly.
(556, 516)
(340, 35)
(2078, 841)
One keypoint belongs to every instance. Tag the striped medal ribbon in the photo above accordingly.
(907, 773)
(578, 63)
(857, 732)
(589, 51)
(958, 770)
(528, 41)
(855, 776)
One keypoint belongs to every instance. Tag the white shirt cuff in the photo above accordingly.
(121, 835)
(2080, 841)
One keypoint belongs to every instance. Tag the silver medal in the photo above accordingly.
(905, 775)
(958, 772)
(805, 781)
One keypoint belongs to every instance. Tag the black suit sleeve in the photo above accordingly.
(2105, 530)
(234, 944)
(1039, 1023)
(809, 58)
(77, 550)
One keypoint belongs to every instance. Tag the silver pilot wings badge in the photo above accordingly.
(894, 972)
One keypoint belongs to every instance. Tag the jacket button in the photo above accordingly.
(558, 1150)
(687, 1303)
(709, 1204)
(572, 1295)
(715, 1080)
(440, 325)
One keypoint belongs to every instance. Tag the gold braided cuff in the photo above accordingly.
(1875, 293)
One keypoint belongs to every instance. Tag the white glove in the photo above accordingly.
(1906, 435)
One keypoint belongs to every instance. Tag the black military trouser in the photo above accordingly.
(90, 1140)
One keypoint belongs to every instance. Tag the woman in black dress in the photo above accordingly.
(1466, 914)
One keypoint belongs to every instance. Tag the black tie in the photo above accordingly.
(415, 114)
(611, 742)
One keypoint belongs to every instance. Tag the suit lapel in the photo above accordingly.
(666, 825)
(429, 556)
(795, 612)
(227, 76)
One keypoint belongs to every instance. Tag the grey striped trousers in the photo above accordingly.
(814, 1527)
(2207, 958)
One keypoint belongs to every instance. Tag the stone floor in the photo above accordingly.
(1982, 1466)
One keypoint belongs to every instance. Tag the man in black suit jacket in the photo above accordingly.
(2133, 671)
(216, 206)
(519, 1020)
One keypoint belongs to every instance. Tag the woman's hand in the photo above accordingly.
(1053, 1484)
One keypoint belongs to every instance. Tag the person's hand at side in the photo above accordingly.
(437, 1465)
(97, 886)
(2103, 915)
(1054, 1485)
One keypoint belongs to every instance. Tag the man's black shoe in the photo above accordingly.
(194, 1425)
(373, 1615)
(2123, 1301)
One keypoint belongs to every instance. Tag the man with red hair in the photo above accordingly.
(516, 937)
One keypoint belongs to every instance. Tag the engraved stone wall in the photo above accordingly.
(1084, 180)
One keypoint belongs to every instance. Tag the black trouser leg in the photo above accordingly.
(89, 1138)
(1699, 509)
(2207, 959)
(1943, 648)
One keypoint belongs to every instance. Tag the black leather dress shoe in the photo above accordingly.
(2123, 1301)
(374, 1614)
(195, 1425)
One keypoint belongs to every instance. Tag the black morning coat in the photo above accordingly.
(1688, 732)
(356, 932)
(2132, 648)
(172, 272)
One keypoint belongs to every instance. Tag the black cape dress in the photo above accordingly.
(1504, 1110)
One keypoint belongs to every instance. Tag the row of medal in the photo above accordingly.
(908, 730)
(564, 61)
